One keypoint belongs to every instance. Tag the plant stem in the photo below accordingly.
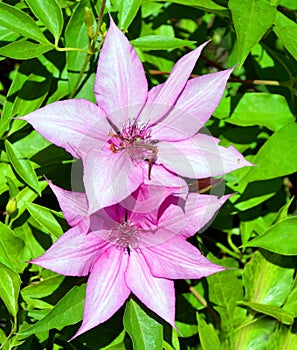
(203, 302)
(287, 84)
(231, 244)
(230, 252)
(198, 296)
(81, 73)
(92, 49)
(13, 329)
(62, 49)
(100, 19)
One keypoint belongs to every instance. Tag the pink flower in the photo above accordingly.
(133, 135)
(126, 251)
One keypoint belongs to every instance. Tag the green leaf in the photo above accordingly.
(265, 282)
(68, 311)
(281, 238)
(45, 218)
(127, 10)
(270, 161)
(24, 50)
(281, 315)
(159, 42)
(7, 35)
(291, 302)
(50, 14)
(31, 144)
(282, 339)
(10, 283)
(208, 337)
(23, 167)
(32, 293)
(145, 332)
(252, 19)
(11, 248)
(6, 171)
(224, 291)
(254, 335)
(291, 4)
(205, 5)
(31, 95)
(32, 247)
(3, 337)
(21, 23)
(27, 195)
(286, 30)
(283, 213)
(257, 192)
(259, 109)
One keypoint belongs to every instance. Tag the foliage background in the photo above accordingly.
(46, 55)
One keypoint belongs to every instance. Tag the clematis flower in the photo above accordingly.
(132, 134)
(125, 251)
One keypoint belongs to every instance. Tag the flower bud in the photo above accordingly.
(89, 22)
(11, 206)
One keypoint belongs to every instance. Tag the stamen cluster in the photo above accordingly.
(125, 236)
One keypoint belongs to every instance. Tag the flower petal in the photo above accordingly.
(109, 178)
(72, 254)
(178, 259)
(73, 204)
(162, 99)
(150, 195)
(193, 108)
(76, 125)
(120, 83)
(106, 289)
(199, 157)
(156, 293)
(183, 218)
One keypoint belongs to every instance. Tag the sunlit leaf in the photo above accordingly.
(11, 248)
(281, 238)
(24, 50)
(206, 5)
(286, 30)
(127, 10)
(49, 13)
(44, 217)
(66, 312)
(21, 23)
(252, 18)
(146, 333)
(260, 109)
(208, 336)
(23, 167)
(10, 283)
(270, 161)
(265, 282)
(281, 315)
(158, 42)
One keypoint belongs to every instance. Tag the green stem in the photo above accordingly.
(231, 244)
(81, 73)
(203, 302)
(91, 49)
(62, 49)
(230, 252)
(100, 19)
(287, 84)
(13, 329)
(6, 222)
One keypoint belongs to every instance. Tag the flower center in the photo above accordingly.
(125, 236)
(136, 140)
